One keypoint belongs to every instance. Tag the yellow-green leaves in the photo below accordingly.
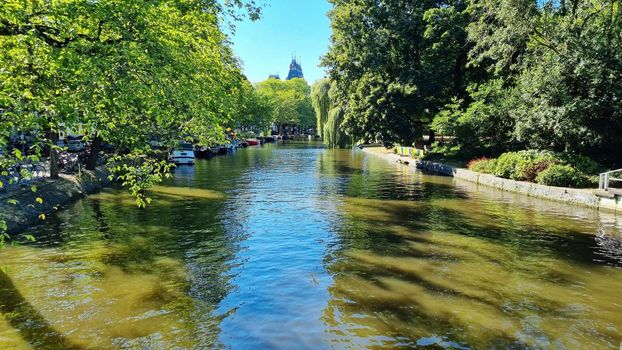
(169, 75)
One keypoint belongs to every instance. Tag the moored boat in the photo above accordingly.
(203, 152)
(253, 142)
(183, 154)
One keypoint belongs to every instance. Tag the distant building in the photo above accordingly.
(295, 70)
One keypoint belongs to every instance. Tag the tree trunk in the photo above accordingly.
(96, 146)
(54, 157)
(432, 138)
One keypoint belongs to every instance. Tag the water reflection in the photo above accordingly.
(471, 273)
(307, 248)
(111, 276)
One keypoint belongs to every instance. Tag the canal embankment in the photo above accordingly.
(581, 197)
(25, 205)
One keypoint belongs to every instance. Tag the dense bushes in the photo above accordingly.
(543, 167)
(523, 165)
(483, 165)
(562, 175)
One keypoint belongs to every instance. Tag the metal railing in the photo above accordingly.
(605, 178)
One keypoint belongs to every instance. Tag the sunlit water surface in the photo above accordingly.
(299, 247)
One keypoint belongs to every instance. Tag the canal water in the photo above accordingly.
(300, 247)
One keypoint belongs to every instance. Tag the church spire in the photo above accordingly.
(295, 69)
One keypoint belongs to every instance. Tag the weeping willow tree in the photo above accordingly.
(333, 136)
(328, 115)
(321, 103)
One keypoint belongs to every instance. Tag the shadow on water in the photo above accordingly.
(450, 272)
(302, 247)
(32, 326)
(105, 260)
(131, 278)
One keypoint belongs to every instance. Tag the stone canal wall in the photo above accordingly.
(19, 206)
(581, 197)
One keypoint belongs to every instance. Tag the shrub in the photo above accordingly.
(482, 165)
(543, 167)
(506, 164)
(529, 170)
(531, 163)
(514, 165)
(440, 151)
(524, 165)
(581, 163)
(563, 176)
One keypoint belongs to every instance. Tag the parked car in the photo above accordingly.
(183, 154)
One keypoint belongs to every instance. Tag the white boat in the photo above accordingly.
(183, 154)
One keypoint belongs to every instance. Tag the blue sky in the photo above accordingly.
(286, 27)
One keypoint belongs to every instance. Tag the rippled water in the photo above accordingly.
(299, 247)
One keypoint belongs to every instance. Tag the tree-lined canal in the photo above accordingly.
(300, 247)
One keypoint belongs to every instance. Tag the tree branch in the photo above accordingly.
(51, 35)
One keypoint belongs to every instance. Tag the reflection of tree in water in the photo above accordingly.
(353, 173)
(189, 255)
(102, 224)
(460, 272)
(182, 262)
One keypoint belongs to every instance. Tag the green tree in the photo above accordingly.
(329, 116)
(290, 100)
(321, 103)
(127, 71)
(255, 109)
(553, 80)
(396, 64)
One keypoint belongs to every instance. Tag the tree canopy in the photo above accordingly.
(496, 75)
(395, 64)
(126, 71)
(290, 101)
(328, 113)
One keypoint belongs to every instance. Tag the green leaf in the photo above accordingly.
(39, 200)
(34, 158)
(18, 154)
